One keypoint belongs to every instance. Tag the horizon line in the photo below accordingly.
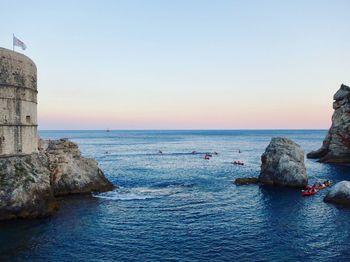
(238, 129)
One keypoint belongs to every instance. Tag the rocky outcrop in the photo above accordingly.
(246, 181)
(336, 145)
(25, 190)
(282, 164)
(29, 183)
(339, 194)
(71, 173)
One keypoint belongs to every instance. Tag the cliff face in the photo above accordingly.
(25, 189)
(336, 145)
(71, 173)
(29, 183)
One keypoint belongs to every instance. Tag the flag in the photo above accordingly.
(17, 42)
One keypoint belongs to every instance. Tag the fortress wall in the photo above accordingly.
(17, 139)
(18, 104)
(17, 70)
(12, 92)
(29, 135)
(27, 115)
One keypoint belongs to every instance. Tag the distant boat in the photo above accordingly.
(108, 130)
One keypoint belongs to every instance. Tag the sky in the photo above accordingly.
(183, 64)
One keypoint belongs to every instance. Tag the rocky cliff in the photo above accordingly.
(336, 145)
(29, 183)
(71, 173)
(25, 189)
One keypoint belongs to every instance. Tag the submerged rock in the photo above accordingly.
(71, 173)
(246, 180)
(282, 163)
(336, 145)
(25, 190)
(339, 194)
(29, 183)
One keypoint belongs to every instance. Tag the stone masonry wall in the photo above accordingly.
(18, 104)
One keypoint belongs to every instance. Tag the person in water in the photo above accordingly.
(317, 184)
(160, 152)
(238, 163)
(327, 183)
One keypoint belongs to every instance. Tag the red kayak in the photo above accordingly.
(309, 192)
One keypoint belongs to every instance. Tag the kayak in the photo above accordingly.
(309, 193)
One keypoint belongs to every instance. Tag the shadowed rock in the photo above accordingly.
(246, 180)
(25, 190)
(336, 145)
(282, 164)
(339, 194)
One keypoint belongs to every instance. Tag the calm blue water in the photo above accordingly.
(180, 207)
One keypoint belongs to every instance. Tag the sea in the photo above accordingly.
(177, 206)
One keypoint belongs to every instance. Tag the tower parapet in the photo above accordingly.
(18, 104)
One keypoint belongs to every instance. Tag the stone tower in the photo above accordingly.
(18, 104)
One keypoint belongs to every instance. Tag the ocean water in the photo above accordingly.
(177, 206)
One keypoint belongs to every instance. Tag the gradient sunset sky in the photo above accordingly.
(183, 64)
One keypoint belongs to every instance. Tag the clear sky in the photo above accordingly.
(183, 64)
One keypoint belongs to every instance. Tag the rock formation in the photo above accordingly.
(246, 180)
(336, 145)
(29, 183)
(282, 164)
(71, 173)
(339, 194)
(25, 189)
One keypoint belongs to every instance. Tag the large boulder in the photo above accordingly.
(336, 145)
(71, 173)
(282, 164)
(25, 190)
(339, 194)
